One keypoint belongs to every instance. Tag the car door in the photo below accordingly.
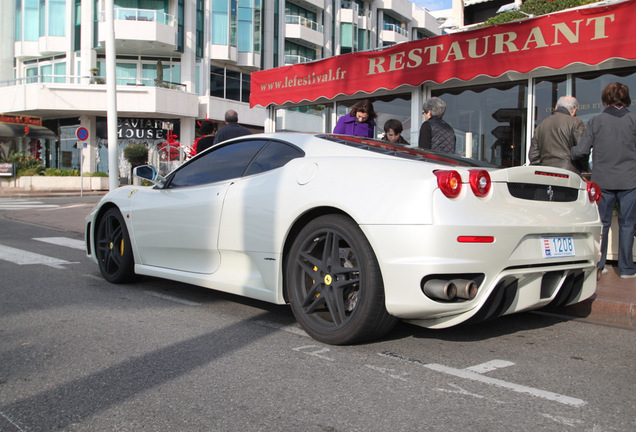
(177, 227)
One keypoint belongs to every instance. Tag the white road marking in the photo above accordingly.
(63, 241)
(25, 205)
(390, 372)
(21, 257)
(69, 206)
(470, 375)
(316, 353)
(489, 366)
(463, 392)
(174, 299)
(11, 421)
(288, 328)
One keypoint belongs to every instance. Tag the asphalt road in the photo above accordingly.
(80, 354)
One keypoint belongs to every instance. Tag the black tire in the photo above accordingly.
(334, 284)
(113, 248)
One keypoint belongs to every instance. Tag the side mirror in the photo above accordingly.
(148, 172)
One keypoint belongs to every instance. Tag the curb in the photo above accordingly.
(604, 310)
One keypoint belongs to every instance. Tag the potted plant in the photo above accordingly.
(136, 155)
(96, 79)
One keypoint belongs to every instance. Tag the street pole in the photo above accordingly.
(111, 94)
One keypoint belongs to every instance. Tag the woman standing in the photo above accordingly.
(359, 122)
(612, 134)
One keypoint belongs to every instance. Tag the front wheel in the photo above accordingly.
(113, 249)
(334, 284)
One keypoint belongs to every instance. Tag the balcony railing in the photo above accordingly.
(141, 15)
(298, 20)
(94, 79)
(295, 59)
(350, 5)
(396, 28)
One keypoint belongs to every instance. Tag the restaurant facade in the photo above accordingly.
(498, 81)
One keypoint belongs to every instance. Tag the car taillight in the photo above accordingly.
(449, 182)
(593, 192)
(480, 182)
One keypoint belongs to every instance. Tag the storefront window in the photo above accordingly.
(495, 117)
(588, 87)
(309, 118)
(387, 107)
(546, 93)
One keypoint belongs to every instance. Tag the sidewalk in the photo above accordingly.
(614, 302)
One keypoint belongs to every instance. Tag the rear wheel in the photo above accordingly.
(334, 284)
(113, 249)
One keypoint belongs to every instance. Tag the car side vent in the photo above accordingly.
(536, 192)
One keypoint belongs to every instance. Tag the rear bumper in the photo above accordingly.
(511, 272)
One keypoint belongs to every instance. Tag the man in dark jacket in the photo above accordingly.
(231, 129)
(435, 133)
(556, 135)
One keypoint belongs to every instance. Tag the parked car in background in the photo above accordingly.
(356, 234)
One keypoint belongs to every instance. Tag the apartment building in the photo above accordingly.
(177, 62)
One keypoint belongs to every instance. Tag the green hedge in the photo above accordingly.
(536, 8)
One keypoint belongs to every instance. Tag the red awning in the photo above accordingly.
(589, 35)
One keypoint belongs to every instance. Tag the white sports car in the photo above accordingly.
(355, 234)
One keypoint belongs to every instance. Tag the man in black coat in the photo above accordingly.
(231, 129)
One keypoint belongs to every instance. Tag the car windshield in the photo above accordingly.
(387, 148)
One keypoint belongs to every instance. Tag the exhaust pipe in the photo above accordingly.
(440, 289)
(466, 289)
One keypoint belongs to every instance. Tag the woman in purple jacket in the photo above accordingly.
(359, 122)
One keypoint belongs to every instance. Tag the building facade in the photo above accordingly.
(177, 62)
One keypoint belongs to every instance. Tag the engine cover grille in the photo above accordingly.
(536, 192)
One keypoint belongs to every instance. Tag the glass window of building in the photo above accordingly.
(246, 26)
(587, 88)
(546, 93)
(56, 18)
(219, 22)
(126, 73)
(308, 118)
(386, 107)
(30, 21)
(495, 117)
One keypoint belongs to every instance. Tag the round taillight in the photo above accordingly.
(449, 182)
(480, 182)
(593, 192)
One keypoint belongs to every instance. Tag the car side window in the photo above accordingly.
(275, 155)
(221, 163)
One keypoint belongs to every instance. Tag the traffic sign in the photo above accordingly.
(81, 133)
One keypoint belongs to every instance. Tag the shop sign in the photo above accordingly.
(137, 128)
(20, 120)
(588, 35)
(7, 169)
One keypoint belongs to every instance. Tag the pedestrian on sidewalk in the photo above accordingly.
(231, 129)
(612, 135)
(556, 135)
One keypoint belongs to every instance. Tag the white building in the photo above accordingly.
(177, 62)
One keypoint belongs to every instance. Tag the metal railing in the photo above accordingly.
(395, 28)
(129, 14)
(295, 59)
(91, 79)
(350, 5)
(305, 22)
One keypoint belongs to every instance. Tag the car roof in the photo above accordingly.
(315, 143)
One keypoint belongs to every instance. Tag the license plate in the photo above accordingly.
(554, 247)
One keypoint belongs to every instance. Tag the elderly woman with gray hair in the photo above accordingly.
(435, 133)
